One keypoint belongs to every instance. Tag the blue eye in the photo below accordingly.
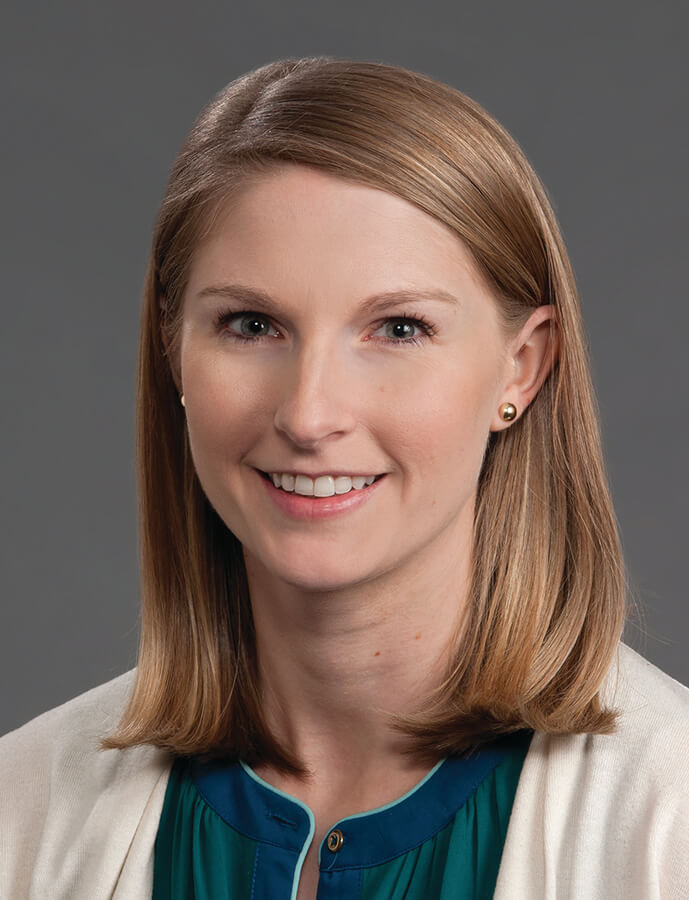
(409, 322)
(258, 321)
(253, 320)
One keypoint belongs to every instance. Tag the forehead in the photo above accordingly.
(302, 227)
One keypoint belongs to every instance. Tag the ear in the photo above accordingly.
(530, 358)
(168, 348)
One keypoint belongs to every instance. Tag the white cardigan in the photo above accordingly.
(595, 817)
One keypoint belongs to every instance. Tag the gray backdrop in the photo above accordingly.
(98, 99)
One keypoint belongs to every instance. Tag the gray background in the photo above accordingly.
(98, 98)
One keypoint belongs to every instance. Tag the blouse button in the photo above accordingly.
(335, 840)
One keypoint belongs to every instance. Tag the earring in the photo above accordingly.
(508, 411)
(181, 399)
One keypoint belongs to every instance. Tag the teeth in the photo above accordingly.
(323, 486)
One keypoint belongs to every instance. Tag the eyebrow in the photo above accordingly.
(384, 300)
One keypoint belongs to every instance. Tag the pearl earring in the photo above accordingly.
(181, 399)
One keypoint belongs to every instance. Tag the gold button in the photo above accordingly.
(335, 840)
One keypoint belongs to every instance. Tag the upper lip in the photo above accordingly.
(334, 472)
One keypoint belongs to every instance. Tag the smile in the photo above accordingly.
(316, 508)
(322, 486)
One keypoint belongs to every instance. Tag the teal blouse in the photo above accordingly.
(225, 834)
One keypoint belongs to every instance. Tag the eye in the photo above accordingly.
(408, 322)
(254, 327)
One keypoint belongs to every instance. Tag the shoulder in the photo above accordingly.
(90, 712)
(644, 763)
(654, 711)
(607, 815)
(59, 789)
(646, 753)
(64, 738)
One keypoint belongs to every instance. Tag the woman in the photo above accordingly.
(383, 591)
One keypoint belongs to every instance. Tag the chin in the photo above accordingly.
(321, 581)
(324, 577)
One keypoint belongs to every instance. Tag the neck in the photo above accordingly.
(335, 666)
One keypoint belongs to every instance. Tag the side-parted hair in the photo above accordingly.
(548, 597)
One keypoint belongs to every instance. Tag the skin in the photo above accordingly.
(354, 614)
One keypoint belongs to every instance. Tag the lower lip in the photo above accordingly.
(317, 508)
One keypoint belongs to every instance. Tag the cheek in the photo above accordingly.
(440, 437)
(446, 410)
(222, 409)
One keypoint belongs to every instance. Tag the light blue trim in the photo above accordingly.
(312, 824)
(370, 812)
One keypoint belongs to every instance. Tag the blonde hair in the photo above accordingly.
(548, 596)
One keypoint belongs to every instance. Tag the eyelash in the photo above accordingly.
(224, 317)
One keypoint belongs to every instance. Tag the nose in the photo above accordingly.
(317, 399)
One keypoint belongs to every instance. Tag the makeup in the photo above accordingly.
(317, 508)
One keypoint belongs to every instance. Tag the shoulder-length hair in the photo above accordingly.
(548, 595)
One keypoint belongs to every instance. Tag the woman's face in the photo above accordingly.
(327, 382)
